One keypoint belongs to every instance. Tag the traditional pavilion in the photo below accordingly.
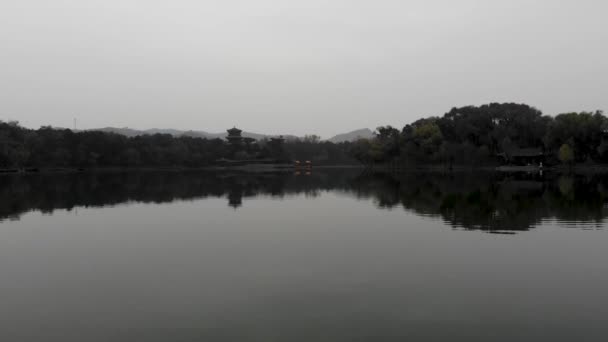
(523, 156)
(234, 136)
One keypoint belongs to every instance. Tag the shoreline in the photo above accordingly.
(581, 168)
(253, 168)
(262, 168)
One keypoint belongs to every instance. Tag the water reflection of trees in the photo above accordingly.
(491, 202)
(48, 192)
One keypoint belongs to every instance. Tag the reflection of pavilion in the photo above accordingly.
(235, 198)
(235, 194)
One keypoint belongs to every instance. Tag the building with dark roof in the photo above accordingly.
(523, 156)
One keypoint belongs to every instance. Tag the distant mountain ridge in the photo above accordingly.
(129, 132)
(364, 133)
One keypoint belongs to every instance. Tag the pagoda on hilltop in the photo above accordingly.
(234, 136)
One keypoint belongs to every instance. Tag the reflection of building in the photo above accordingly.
(235, 198)
(234, 136)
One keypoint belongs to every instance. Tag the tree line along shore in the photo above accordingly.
(492, 135)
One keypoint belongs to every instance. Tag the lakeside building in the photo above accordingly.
(523, 156)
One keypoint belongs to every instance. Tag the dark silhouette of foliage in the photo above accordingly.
(49, 148)
(478, 135)
(469, 135)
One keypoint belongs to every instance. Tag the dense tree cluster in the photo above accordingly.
(477, 135)
(463, 136)
(48, 147)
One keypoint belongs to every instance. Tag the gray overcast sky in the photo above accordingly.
(286, 66)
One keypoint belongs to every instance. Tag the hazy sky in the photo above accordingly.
(287, 66)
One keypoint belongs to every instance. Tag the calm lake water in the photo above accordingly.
(335, 255)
